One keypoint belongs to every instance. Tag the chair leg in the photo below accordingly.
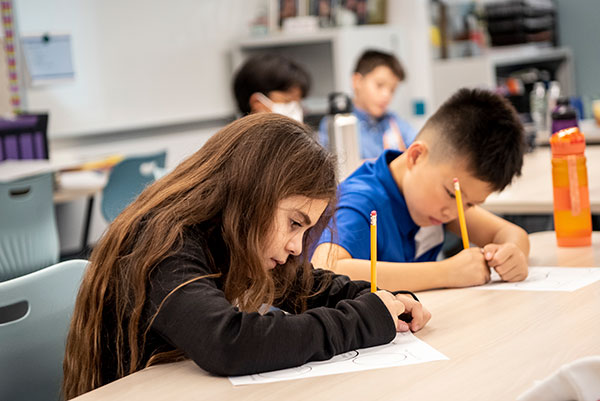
(87, 223)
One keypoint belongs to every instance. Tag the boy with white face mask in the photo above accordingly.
(286, 107)
(271, 83)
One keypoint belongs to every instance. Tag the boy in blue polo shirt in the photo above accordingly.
(475, 136)
(375, 78)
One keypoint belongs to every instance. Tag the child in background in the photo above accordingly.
(475, 136)
(271, 83)
(375, 78)
(186, 271)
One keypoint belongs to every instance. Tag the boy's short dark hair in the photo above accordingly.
(483, 127)
(372, 59)
(267, 72)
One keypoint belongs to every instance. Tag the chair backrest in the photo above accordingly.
(127, 180)
(35, 311)
(24, 137)
(28, 232)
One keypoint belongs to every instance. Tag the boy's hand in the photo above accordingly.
(508, 260)
(467, 268)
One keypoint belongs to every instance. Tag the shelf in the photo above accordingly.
(323, 35)
(524, 54)
(287, 39)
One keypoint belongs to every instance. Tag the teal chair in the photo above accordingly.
(35, 313)
(28, 233)
(128, 179)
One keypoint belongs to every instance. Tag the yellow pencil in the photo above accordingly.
(373, 251)
(461, 214)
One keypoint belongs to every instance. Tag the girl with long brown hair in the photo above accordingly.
(186, 270)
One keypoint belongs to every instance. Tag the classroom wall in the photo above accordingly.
(138, 63)
(578, 28)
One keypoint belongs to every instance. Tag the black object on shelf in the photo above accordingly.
(520, 21)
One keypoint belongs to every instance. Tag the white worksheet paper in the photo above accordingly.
(405, 349)
(547, 279)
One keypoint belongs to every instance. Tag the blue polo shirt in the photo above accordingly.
(399, 239)
(376, 134)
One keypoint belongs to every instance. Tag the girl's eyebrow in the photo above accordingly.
(305, 218)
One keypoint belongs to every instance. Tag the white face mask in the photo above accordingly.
(291, 109)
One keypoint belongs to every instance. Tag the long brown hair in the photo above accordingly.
(236, 179)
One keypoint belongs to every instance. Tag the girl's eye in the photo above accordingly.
(295, 224)
(450, 194)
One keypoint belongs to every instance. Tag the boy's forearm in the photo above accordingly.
(396, 276)
(513, 234)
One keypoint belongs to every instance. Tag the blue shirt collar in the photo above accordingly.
(383, 174)
(364, 116)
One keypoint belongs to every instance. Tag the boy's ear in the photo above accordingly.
(417, 153)
(256, 106)
(356, 80)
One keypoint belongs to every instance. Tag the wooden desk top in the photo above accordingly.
(498, 343)
(532, 192)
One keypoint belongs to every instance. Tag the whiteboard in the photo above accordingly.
(137, 63)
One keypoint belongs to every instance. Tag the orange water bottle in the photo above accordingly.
(572, 217)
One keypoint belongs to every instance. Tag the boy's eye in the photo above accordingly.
(450, 194)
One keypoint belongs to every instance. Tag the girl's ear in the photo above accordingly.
(256, 106)
(417, 153)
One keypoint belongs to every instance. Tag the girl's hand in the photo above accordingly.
(401, 304)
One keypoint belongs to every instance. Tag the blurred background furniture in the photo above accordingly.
(28, 233)
(35, 311)
(24, 137)
(128, 179)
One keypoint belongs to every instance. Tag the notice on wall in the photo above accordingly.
(48, 58)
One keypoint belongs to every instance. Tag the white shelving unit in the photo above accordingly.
(482, 71)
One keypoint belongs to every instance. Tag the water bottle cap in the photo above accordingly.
(339, 103)
(564, 110)
(567, 142)
(562, 113)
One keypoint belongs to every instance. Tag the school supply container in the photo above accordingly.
(572, 217)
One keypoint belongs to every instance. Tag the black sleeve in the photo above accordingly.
(330, 288)
(200, 321)
(340, 287)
